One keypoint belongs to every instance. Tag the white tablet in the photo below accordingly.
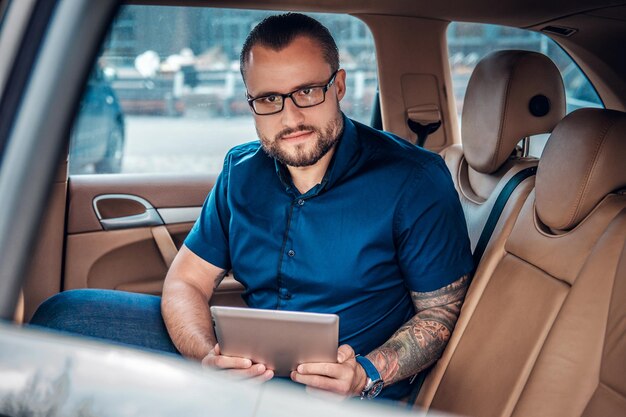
(279, 339)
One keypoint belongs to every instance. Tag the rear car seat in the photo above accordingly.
(543, 332)
(510, 95)
(500, 110)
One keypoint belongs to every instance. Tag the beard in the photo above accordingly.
(304, 154)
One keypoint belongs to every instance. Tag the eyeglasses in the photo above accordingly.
(303, 97)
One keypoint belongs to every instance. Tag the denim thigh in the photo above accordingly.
(117, 316)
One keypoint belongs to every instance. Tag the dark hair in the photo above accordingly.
(278, 31)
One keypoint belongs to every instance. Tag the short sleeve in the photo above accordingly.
(430, 230)
(208, 237)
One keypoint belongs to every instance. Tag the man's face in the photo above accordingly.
(295, 136)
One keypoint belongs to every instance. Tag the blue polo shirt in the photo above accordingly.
(385, 219)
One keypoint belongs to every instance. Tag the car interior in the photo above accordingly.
(543, 327)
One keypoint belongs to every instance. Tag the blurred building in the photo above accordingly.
(167, 30)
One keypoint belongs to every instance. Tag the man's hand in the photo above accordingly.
(241, 368)
(346, 377)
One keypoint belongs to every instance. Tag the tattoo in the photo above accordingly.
(421, 341)
(446, 295)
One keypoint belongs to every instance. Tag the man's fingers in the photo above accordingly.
(315, 381)
(231, 362)
(335, 377)
(321, 383)
(264, 377)
(344, 353)
(332, 370)
(257, 370)
(237, 368)
(226, 362)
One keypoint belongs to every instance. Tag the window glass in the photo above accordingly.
(166, 94)
(470, 42)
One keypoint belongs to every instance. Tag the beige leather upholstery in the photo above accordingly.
(496, 114)
(542, 331)
(496, 117)
(568, 189)
(609, 397)
(478, 192)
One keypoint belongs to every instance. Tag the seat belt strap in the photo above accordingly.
(496, 211)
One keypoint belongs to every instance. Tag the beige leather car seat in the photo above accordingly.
(543, 330)
(510, 95)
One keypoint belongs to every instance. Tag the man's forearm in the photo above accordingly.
(421, 341)
(188, 319)
(415, 346)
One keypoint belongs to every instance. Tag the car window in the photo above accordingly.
(468, 43)
(166, 95)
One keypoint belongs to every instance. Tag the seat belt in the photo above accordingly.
(423, 120)
(496, 211)
(423, 131)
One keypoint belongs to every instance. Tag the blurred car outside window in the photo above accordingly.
(166, 94)
(468, 43)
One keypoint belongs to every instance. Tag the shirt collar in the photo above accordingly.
(346, 153)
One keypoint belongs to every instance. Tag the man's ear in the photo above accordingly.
(340, 84)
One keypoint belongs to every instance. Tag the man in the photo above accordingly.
(324, 215)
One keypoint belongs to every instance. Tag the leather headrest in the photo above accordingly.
(584, 160)
(510, 95)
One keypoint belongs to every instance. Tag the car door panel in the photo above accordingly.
(44, 274)
(161, 191)
(134, 252)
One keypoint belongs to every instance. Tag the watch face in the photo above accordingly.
(376, 389)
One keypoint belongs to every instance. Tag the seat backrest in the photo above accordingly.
(542, 331)
(609, 396)
(510, 95)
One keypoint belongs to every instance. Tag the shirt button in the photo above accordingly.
(301, 202)
(291, 253)
(284, 294)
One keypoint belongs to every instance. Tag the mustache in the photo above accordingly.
(292, 130)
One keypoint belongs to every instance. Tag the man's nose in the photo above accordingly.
(291, 115)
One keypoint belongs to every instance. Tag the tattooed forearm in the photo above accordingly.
(421, 341)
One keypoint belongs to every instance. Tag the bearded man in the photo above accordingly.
(324, 214)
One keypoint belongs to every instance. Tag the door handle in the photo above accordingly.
(141, 212)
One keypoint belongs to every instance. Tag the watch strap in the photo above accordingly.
(373, 378)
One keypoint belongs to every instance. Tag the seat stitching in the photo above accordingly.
(607, 328)
(583, 190)
(538, 268)
(494, 157)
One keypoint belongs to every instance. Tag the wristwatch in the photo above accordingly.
(375, 383)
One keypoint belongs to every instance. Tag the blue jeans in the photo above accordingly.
(117, 316)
